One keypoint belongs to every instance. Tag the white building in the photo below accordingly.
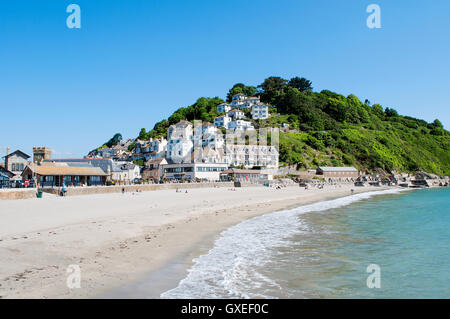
(223, 108)
(236, 114)
(208, 146)
(260, 111)
(180, 142)
(222, 121)
(194, 171)
(238, 100)
(125, 172)
(205, 129)
(240, 125)
(153, 148)
(215, 141)
(252, 155)
(241, 101)
(207, 135)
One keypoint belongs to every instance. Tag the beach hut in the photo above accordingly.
(60, 174)
(337, 172)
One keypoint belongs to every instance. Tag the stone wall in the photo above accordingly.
(17, 194)
(73, 191)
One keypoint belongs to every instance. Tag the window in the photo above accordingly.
(13, 167)
(21, 167)
(95, 179)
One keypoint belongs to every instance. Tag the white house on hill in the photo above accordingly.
(240, 125)
(236, 114)
(223, 108)
(260, 111)
(222, 121)
(242, 101)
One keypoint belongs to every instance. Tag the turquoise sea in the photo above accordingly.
(323, 250)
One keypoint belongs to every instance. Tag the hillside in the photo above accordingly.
(326, 128)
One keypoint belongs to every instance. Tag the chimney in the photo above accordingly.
(6, 158)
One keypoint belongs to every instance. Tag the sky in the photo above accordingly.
(132, 63)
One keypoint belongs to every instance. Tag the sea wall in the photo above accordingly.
(74, 191)
(17, 194)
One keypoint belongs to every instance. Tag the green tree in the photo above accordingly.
(271, 88)
(142, 134)
(378, 110)
(389, 112)
(437, 123)
(243, 89)
(114, 140)
(301, 84)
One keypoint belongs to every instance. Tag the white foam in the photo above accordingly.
(228, 270)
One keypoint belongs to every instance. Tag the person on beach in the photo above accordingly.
(123, 190)
(64, 190)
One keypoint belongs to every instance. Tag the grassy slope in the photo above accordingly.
(395, 148)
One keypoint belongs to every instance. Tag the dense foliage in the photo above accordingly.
(327, 128)
(330, 129)
(111, 142)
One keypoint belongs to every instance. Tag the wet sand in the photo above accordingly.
(122, 242)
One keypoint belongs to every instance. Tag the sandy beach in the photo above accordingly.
(119, 239)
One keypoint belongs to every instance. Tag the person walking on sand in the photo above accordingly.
(64, 190)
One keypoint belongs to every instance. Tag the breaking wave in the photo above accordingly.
(232, 268)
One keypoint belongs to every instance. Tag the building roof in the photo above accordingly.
(220, 116)
(337, 169)
(182, 123)
(4, 175)
(62, 170)
(19, 152)
(6, 172)
(123, 167)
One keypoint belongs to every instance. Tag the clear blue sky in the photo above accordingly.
(135, 62)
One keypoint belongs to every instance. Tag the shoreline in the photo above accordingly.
(135, 237)
(169, 276)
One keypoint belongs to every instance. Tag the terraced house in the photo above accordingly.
(252, 155)
(153, 148)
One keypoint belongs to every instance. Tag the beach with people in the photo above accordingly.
(122, 238)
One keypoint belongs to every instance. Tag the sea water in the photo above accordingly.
(323, 250)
